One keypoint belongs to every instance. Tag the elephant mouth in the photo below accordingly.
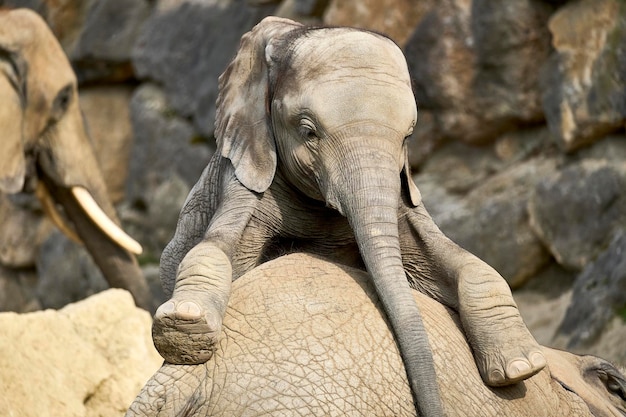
(90, 208)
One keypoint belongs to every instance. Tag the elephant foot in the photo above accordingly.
(184, 333)
(506, 354)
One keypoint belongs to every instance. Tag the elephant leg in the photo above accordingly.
(193, 222)
(504, 350)
(186, 327)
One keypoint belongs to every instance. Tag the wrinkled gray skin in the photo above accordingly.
(44, 148)
(311, 129)
(306, 337)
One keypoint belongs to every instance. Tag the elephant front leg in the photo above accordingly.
(187, 326)
(503, 347)
(504, 350)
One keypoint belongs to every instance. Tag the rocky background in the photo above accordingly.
(520, 148)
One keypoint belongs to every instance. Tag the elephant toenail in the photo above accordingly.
(496, 377)
(165, 309)
(188, 310)
(537, 360)
(518, 368)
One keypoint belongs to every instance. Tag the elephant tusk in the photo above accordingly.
(50, 209)
(112, 230)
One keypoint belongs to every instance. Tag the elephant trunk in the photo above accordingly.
(369, 198)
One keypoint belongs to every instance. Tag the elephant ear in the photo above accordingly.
(242, 126)
(415, 197)
(12, 162)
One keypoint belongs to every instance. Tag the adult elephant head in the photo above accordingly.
(303, 336)
(44, 148)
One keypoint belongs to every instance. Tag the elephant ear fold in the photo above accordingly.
(242, 126)
(12, 162)
(415, 197)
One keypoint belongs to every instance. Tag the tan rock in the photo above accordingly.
(88, 359)
(395, 18)
(585, 81)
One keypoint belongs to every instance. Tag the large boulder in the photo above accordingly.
(185, 46)
(578, 210)
(476, 65)
(108, 33)
(395, 18)
(585, 80)
(66, 272)
(88, 359)
(598, 293)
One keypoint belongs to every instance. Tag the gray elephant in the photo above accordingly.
(311, 130)
(44, 148)
(306, 337)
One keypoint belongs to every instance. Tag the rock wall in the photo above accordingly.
(520, 148)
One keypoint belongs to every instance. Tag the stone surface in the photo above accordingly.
(110, 29)
(167, 158)
(394, 18)
(585, 81)
(22, 229)
(598, 293)
(66, 272)
(165, 145)
(511, 42)
(442, 40)
(186, 46)
(476, 66)
(89, 359)
(576, 211)
(18, 290)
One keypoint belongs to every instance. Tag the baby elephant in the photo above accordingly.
(311, 131)
(305, 337)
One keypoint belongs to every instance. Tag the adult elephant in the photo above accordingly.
(44, 148)
(307, 337)
(311, 132)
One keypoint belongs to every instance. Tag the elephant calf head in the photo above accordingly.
(44, 147)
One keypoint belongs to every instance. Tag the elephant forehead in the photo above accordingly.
(327, 52)
(19, 27)
(347, 75)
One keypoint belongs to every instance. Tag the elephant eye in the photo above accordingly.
(62, 102)
(307, 129)
(615, 382)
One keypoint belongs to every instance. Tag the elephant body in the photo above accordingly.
(307, 337)
(311, 129)
(44, 149)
